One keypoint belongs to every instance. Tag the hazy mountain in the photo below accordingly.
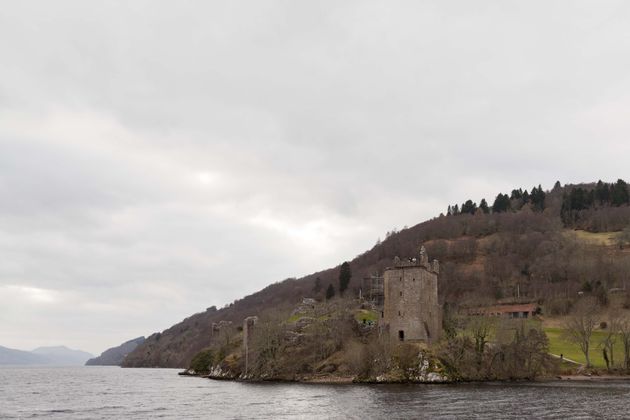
(20, 357)
(62, 355)
(115, 355)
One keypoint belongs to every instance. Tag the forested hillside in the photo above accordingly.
(534, 245)
(115, 355)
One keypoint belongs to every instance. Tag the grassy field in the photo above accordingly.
(559, 345)
(601, 238)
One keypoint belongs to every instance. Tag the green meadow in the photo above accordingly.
(558, 344)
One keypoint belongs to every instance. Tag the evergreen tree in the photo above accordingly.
(455, 210)
(602, 193)
(344, 277)
(619, 193)
(573, 202)
(578, 199)
(483, 205)
(516, 194)
(469, 207)
(589, 198)
(537, 197)
(526, 197)
(449, 212)
(557, 186)
(501, 204)
(533, 198)
(330, 292)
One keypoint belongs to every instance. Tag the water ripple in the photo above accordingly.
(111, 393)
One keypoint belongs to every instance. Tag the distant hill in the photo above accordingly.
(58, 355)
(115, 355)
(20, 357)
(62, 355)
(543, 246)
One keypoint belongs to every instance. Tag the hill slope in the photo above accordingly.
(115, 355)
(521, 248)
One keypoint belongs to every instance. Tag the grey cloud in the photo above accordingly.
(157, 158)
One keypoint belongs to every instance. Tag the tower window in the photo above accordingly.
(401, 335)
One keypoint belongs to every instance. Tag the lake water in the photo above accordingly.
(114, 393)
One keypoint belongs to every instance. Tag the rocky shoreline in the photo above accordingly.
(221, 375)
(218, 375)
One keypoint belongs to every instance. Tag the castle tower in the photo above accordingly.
(248, 329)
(411, 311)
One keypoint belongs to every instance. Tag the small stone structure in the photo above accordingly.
(411, 311)
(248, 329)
(218, 326)
(307, 306)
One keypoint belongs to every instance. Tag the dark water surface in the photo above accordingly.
(114, 393)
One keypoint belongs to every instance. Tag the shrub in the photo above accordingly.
(202, 361)
(521, 353)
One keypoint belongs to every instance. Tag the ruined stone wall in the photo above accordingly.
(411, 303)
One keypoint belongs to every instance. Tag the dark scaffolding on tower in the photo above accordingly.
(372, 290)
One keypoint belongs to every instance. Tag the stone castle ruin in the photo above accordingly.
(218, 327)
(408, 293)
(411, 311)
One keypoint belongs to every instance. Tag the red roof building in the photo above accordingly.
(522, 310)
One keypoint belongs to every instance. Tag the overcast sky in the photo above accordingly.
(157, 158)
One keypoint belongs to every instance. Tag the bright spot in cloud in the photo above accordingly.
(314, 232)
(32, 294)
(205, 178)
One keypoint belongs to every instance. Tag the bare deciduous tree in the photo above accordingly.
(480, 328)
(624, 335)
(612, 334)
(580, 324)
(266, 344)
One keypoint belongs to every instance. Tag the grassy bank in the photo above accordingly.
(559, 345)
